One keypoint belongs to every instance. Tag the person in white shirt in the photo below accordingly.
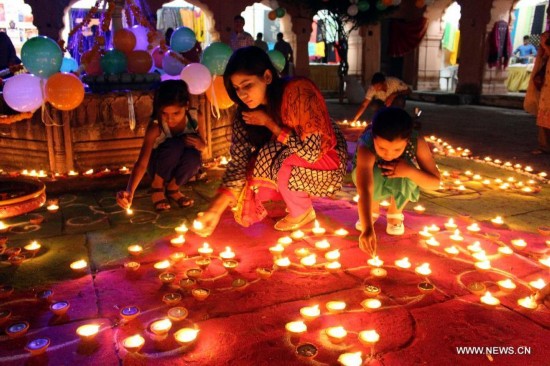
(384, 91)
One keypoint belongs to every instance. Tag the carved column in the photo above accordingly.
(371, 51)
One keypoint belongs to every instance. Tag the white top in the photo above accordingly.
(393, 85)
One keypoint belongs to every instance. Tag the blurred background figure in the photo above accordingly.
(259, 42)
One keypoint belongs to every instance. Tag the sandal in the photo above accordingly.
(285, 224)
(162, 204)
(375, 217)
(395, 229)
(183, 201)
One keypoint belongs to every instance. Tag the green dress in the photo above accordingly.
(402, 189)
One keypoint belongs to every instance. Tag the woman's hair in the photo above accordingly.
(253, 60)
(392, 123)
(170, 92)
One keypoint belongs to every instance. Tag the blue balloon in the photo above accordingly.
(69, 64)
(183, 39)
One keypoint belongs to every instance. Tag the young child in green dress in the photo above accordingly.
(391, 162)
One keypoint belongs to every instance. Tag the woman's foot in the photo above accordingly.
(395, 224)
(160, 203)
(289, 223)
(179, 198)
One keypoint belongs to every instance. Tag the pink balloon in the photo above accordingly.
(198, 78)
(157, 55)
(23, 93)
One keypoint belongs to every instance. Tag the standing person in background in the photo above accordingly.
(171, 150)
(240, 38)
(384, 91)
(537, 98)
(284, 47)
(259, 42)
(8, 57)
(525, 50)
(168, 35)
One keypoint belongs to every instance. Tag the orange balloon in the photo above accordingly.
(419, 3)
(124, 41)
(217, 88)
(139, 62)
(387, 2)
(64, 91)
(272, 15)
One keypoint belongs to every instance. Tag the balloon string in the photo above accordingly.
(131, 111)
(44, 112)
(214, 108)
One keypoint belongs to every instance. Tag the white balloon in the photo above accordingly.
(23, 93)
(353, 10)
(141, 37)
(197, 77)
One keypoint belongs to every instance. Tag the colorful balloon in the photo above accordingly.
(69, 64)
(277, 59)
(64, 91)
(272, 15)
(171, 63)
(114, 62)
(157, 55)
(197, 77)
(280, 12)
(217, 94)
(23, 93)
(216, 56)
(363, 5)
(140, 32)
(41, 56)
(124, 40)
(183, 39)
(139, 62)
(92, 63)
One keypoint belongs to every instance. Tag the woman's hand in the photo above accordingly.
(367, 241)
(395, 169)
(258, 118)
(205, 223)
(124, 199)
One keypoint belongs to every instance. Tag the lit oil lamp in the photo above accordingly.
(335, 307)
(378, 272)
(284, 240)
(333, 266)
(187, 283)
(297, 235)
(177, 314)
(483, 266)
(87, 332)
(538, 284)
(198, 226)
(124, 170)
(186, 336)
(167, 277)
(227, 254)
(336, 334)
(423, 269)
(425, 233)
(519, 243)
(371, 304)
(506, 285)
(419, 209)
(223, 160)
(37, 346)
(79, 266)
(497, 221)
(528, 303)
(356, 198)
(341, 232)
(178, 241)
(369, 337)
(72, 173)
(480, 256)
(264, 273)
(477, 288)
(477, 177)
(497, 161)
(375, 262)
(17, 330)
(162, 266)
(545, 261)
(277, 250)
(302, 252)
(432, 242)
(317, 229)
(182, 229)
(486, 182)
(403, 263)
(296, 328)
(433, 228)
(474, 247)
(176, 257)
(456, 236)
(200, 293)
(384, 204)
(89, 172)
(473, 228)
(450, 225)
(350, 359)
(135, 250)
(133, 344)
(205, 250)
(309, 260)
(452, 250)
(129, 211)
(489, 300)
(333, 255)
(53, 208)
(230, 264)
(131, 266)
(282, 263)
(161, 327)
(310, 312)
(32, 248)
(172, 298)
(322, 244)
(129, 313)
(194, 273)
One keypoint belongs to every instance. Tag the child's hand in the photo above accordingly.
(395, 169)
(367, 241)
(195, 141)
(207, 222)
(124, 199)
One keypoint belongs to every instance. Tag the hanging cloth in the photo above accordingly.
(500, 46)
(405, 35)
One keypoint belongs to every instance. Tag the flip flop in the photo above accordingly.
(158, 205)
(183, 201)
(398, 229)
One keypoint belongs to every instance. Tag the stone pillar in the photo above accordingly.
(49, 20)
(475, 16)
(302, 30)
(371, 51)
